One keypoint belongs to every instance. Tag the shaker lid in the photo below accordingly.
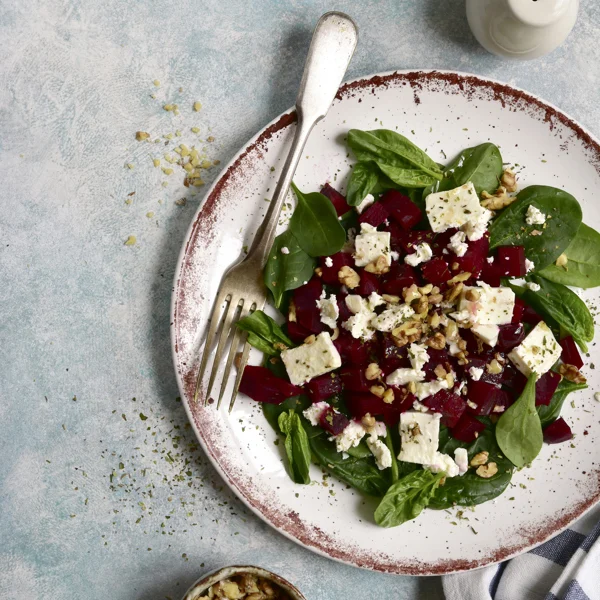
(538, 13)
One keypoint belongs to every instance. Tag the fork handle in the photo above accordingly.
(331, 49)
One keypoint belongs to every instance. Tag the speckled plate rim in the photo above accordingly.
(291, 525)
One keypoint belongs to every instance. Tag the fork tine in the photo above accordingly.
(238, 377)
(225, 333)
(239, 336)
(214, 323)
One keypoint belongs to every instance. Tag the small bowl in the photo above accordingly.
(203, 584)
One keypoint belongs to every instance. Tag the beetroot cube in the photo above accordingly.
(345, 312)
(368, 284)
(354, 380)
(467, 429)
(545, 387)
(438, 357)
(375, 215)
(436, 271)
(338, 201)
(305, 301)
(510, 335)
(361, 404)
(333, 421)
(324, 386)
(518, 311)
(391, 357)
(557, 432)
(441, 241)
(511, 261)
(353, 351)
(400, 276)
(402, 209)
(397, 235)
(480, 362)
(451, 406)
(491, 274)
(483, 395)
(474, 259)
(513, 379)
(330, 274)
(261, 385)
(296, 332)
(570, 354)
(503, 400)
(530, 316)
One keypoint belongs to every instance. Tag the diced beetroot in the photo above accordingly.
(436, 271)
(400, 276)
(324, 386)
(467, 429)
(438, 357)
(361, 404)
(397, 235)
(491, 274)
(413, 238)
(513, 379)
(332, 421)
(375, 215)
(557, 432)
(391, 357)
(441, 241)
(530, 316)
(504, 399)
(368, 283)
(353, 351)
(479, 362)
(451, 406)
(511, 261)
(474, 259)
(305, 301)
(545, 387)
(296, 332)
(570, 354)
(338, 201)
(518, 311)
(261, 385)
(510, 335)
(354, 380)
(345, 312)
(474, 344)
(330, 274)
(484, 395)
(402, 209)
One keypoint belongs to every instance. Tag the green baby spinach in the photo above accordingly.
(284, 272)
(519, 430)
(583, 261)
(543, 243)
(390, 444)
(297, 446)
(548, 414)
(264, 333)
(470, 489)
(406, 499)
(363, 181)
(560, 306)
(315, 225)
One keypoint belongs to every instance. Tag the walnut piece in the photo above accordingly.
(411, 293)
(458, 278)
(388, 396)
(472, 295)
(377, 390)
(391, 299)
(562, 261)
(498, 201)
(349, 277)
(437, 341)
(454, 292)
(572, 373)
(509, 180)
(373, 372)
(480, 459)
(487, 471)
(378, 267)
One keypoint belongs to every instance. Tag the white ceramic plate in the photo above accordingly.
(443, 113)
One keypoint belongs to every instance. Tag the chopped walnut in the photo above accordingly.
(454, 292)
(349, 277)
(437, 341)
(536, 232)
(292, 312)
(411, 293)
(472, 295)
(572, 373)
(440, 372)
(409, 329)
(426, 289)
(378, 267)
(459, 278)
(498, 201)
(450, 380)
(391, 299)
(435, 299)
(388, 396)
(480, 459)
(494, 367)
(487, 471)
(377, 390)
(311, 339)
(368, 422)
(509, 180)
(319, 272)
(434, 320)
(422, 305)
(336, 334)
(412, 387)
(373, 372)
(562, 261)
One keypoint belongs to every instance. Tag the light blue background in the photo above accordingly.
(85, 319)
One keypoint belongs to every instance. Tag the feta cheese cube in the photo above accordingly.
(418, 356)
(370, 244)
(461, 458)
(350, 437)
(365, 203)
(419, 437)
(422, 253)
(453, 208)
(443, 464)
(534, 216)
(392, 316)
(537, 352)
(487, 333)
(311, 360)
(475, 373)
(429, 388)
(403, 376)
(457, 243)
(314, 411)
(382, 454)
(495, 306)
(329, 309)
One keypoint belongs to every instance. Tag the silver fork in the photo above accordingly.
(242, 289)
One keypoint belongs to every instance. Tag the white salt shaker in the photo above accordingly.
(521, 29)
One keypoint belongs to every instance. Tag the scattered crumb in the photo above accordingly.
(140, 136)
(150, 214)
(197, 106)
(181, 202)
(167, 171)
(156, 82)
(131, 240)
(130, 166)
(156, 162)
(195, 129)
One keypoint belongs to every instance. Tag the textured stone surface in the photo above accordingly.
(103, 492)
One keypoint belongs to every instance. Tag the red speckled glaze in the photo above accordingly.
(193, 293)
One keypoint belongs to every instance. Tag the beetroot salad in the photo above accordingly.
(431, 334)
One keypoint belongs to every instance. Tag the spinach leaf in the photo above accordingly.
(315, 225)
(264, 333)
(363, 180)
(360, 473)
(563, 220)
(410, 178)
(559, 305)
(406, 498)
(360, 451)
(272, 411)
(583, 264)
(285, 272)
(389, 443)
(519, 431)
(297, 447)
(550, 413)
(470, 489)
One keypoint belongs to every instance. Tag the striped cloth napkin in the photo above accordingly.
(567, 567)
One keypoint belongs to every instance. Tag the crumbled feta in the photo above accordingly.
(419, 437)
(365, 203)
(314, 411)
(418, 356)
(395, 255)
(350, 437)
(443, 463)
(422, 253)
(392, 316)
(461, 458)
(359, 324)
(457, 243)
(534, 287)
(403, 376)
(370, 244)
(475, 373)
(419, 407)
(311, 360)
(534, 216)
(487, 333)
(285, 250)
(375, 300)
(490, 259)
(329, 309)
(429, 388)
(328, 261)
(356, 303)
(378, 430)
(529, 265)
(537, 352)
(494, 307)
(519, 281)
(382, 454)
(477, 226)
